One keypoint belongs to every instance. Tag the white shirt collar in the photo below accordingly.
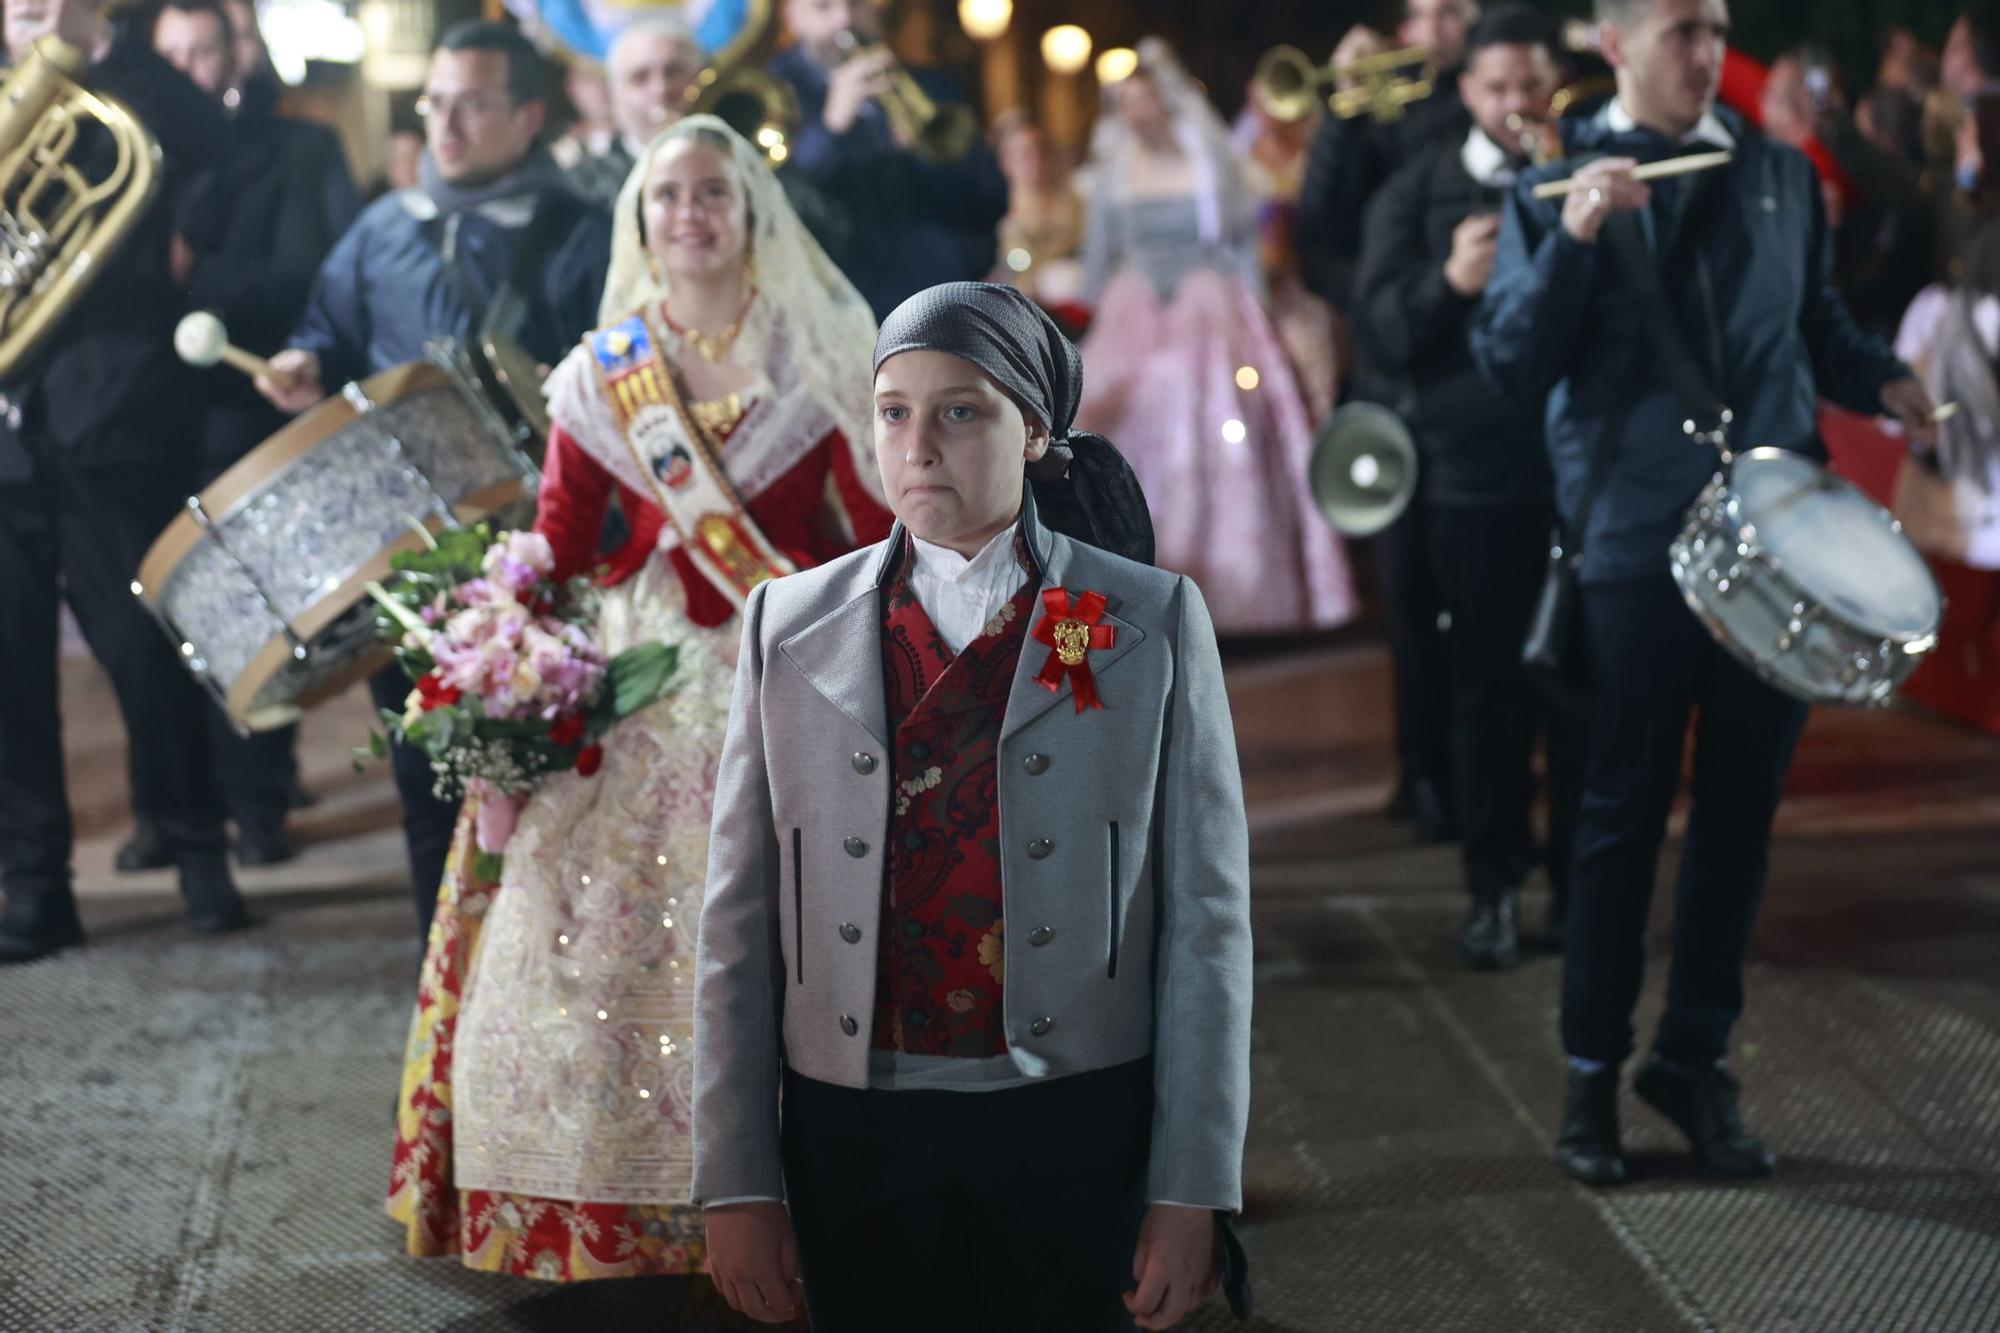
(1487, 162)
(1708, 130)
(961, 594)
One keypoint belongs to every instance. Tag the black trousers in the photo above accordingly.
(256, 772)
(78, 534)
(1651, 666)
(969, 1212)
(1488, 561)
(427, 821)
(1411, 603)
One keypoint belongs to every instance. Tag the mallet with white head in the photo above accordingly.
(201, 340)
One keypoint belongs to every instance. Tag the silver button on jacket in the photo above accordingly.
(864, 763)
(856, 847)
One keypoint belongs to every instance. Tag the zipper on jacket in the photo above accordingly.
(798, 908)
(1111, 969)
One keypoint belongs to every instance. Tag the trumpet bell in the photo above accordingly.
(1363, 473)
(1287, 83)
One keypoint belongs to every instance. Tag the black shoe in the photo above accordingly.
(298, 798)
(146, 850)
(1701, 1103)
(1489, 940)
(27, 948)
(1587, 1146)
(263, 843)
(214, 907)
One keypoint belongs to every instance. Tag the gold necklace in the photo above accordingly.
(712, 347)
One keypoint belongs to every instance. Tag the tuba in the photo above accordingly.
(736, 89)
(64, 205)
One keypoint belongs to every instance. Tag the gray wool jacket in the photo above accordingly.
(1122, 834)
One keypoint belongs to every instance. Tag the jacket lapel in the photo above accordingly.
(1028, 700)
(840, 654)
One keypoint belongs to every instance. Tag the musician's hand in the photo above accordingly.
(293, 385)
(1909, 402)
(180, 260)
(753, 1259)
(1474, 242)
(1602, 188)
(1360, 42)
(1177, 1264)
(852, 85)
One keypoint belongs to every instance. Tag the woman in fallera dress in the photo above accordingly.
(1186, 370)
(543, 1124)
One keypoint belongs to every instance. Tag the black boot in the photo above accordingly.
(38, 924)
(1587, 1146)
(214, 907)
(262, 842)
(147, 849)
(1489, 940)
(1701, 1103)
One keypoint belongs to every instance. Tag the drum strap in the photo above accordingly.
(691, 484)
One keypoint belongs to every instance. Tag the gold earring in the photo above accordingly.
(653, 267)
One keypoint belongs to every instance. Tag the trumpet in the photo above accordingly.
(935, 133)
(60, 218)
(1381, 85)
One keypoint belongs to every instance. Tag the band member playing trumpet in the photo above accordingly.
(492, 228)
(1742, 261)
(903, 221)
(94, 461)
(1429, 247)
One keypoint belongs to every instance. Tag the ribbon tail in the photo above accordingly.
(1083, 686)
(1051, 674)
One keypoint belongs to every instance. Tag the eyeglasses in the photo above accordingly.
(470, 106)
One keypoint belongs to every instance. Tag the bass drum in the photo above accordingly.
(1806, 580)
(263, 581)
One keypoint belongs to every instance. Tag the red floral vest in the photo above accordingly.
(941, 961)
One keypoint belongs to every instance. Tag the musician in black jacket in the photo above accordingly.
(96, 456)
(249, 235)
(1350, 161)
(1427, 252)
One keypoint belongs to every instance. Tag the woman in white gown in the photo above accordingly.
(543, 1125)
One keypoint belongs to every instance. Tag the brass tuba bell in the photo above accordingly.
(64, 207)
(735, 89)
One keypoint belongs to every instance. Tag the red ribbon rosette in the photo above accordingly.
(1070, 627)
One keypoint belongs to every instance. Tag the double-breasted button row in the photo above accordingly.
(864, 762)
(851, 933)
(856, 847)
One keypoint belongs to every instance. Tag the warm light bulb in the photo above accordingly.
(1115, 65)
(1066, 48)
(985, 20)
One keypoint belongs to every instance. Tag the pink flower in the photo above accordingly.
(518, 561)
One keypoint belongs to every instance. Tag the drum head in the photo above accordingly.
(1835, 545)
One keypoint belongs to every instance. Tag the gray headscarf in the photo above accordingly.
(1083, 486)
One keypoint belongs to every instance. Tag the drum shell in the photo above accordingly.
(263, 581)
(1772, 624)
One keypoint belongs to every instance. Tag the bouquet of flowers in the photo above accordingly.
(508, 685)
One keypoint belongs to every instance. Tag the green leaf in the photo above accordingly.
(378, 744)
(640, 677)
(486, 866)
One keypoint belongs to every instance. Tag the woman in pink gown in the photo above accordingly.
(1186, 370)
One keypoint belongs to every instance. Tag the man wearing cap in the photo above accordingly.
(979, 875)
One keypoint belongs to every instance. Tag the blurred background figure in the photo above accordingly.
(587, 88)
(250, 233)
(1041, 238)
(1274, 152)
(402, 162)
(1186, 369)
(904, 222)
(651, 65)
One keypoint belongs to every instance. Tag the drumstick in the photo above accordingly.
(202, 341)
(1649, 171)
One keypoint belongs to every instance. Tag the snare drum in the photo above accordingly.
(263, 580)
(1806, 580)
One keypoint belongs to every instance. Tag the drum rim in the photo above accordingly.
(1745, 531)
(267, 464)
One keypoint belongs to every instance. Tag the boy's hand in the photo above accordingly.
(1177, 1264)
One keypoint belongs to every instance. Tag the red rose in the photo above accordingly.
(588, 761)
(434, 693)
(567, 730)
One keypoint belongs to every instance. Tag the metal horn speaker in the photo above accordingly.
(1364, 469)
